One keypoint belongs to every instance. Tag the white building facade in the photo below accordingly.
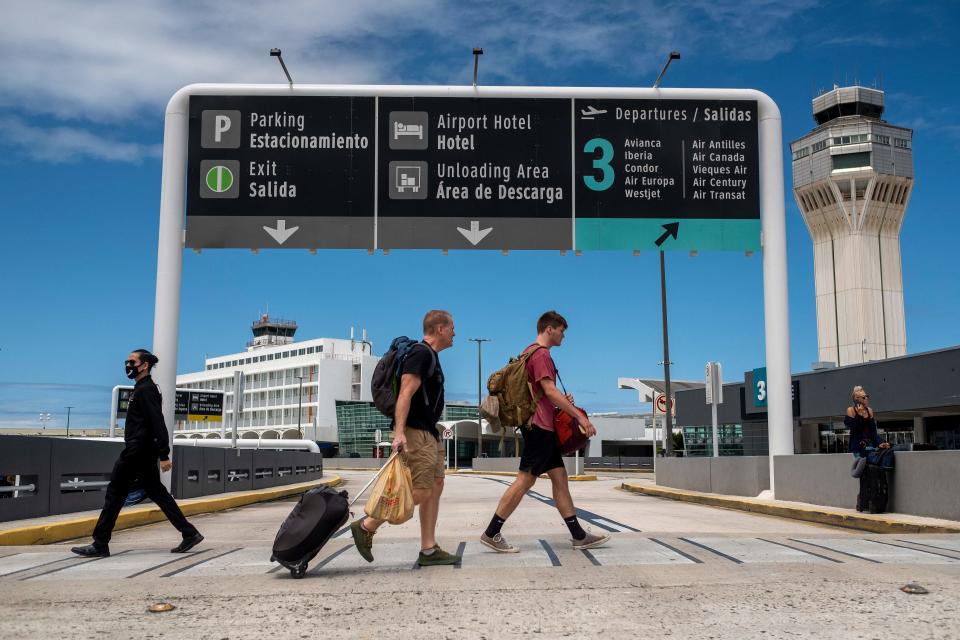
(280, 376)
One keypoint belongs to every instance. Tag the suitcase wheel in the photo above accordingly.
(299, 571)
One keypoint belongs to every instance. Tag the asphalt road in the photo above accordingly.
(671, 570)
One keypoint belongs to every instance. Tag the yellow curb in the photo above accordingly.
(48, 533)
(580, 478)
(611, 470)
(874, 523)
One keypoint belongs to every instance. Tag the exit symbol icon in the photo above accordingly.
(219, 179)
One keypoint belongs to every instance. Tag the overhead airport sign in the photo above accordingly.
(189, 404)
(392, 171)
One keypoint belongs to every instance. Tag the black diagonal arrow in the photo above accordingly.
(671, 230)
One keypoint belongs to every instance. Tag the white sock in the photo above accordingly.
(428, 552)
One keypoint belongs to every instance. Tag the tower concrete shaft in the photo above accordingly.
(853, 177)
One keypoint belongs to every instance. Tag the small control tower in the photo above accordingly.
(271, 333)
(852, 179)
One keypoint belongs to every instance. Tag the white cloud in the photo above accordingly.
(71, 144)
(117, 62)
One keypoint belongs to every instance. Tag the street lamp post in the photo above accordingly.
(480, 342)
(68, 421)
(299, 405)
(44, 419)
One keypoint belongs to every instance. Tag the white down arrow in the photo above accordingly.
(281, 234)
(475, 234)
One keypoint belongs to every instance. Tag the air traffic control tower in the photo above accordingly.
(852, 179)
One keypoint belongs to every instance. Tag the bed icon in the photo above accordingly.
(404, 129)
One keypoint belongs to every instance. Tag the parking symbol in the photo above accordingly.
(219, 178)
(220, 129)
(408, 130)
(408, 180)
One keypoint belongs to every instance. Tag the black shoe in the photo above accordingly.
(188, 543)
(92, 551)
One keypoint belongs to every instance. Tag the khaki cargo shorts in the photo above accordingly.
(424, 457)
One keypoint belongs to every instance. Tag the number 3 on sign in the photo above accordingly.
(602, 164)
(761, 390)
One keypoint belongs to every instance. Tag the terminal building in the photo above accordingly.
(281, 379)
(915, 399)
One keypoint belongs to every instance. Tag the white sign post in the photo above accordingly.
(714, 391)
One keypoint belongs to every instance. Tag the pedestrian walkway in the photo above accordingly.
(625, 549)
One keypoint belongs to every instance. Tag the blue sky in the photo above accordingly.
(82, 92)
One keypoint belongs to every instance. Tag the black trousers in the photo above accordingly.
(131, 466)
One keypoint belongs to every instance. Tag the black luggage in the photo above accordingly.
(874, 489)
(313, 521)
(315, 518)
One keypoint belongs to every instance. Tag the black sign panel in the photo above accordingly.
(205, 407)
(187, 405)
(667, 158)
(260, 167)
(463, 172)
(472, 173)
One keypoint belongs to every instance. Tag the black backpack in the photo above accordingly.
(385, 385)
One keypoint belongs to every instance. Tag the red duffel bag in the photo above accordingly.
(570, 435)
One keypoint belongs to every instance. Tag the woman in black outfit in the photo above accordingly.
(862, 425)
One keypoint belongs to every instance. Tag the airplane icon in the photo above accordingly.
(589, 112)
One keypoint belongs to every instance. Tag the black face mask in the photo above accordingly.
(132, 371)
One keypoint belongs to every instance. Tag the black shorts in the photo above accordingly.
(541, 451)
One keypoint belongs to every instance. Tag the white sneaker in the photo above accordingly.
(592, 540)
(497, 543)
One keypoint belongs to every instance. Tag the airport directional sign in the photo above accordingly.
(389, 171)
(189, 404)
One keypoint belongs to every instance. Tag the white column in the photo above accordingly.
(166, 313)
(775, 299)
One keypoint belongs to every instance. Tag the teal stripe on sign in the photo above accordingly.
(701, 234)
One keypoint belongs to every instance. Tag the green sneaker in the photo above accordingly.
(437, 558)
(363, 540)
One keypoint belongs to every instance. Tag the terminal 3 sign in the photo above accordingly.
(407, 172)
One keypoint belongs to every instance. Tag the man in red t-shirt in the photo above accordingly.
(541, 451)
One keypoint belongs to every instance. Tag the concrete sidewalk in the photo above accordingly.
(78, 525)
(835, 516)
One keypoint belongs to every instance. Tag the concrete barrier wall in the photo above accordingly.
(729, 475)
(692, 474)
(924, 482)
(496, 464)
(48, 462)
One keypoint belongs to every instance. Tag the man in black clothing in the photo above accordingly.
(419, 407)
(147, 442)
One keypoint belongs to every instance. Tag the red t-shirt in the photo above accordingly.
(539, 366)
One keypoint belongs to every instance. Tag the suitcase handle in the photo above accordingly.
(374, 478)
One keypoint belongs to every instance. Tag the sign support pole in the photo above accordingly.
(775, 302)
(166, 312)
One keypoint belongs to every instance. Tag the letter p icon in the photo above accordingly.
(217, 130)
(221, 125)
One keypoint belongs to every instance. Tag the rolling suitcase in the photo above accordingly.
(319, 513)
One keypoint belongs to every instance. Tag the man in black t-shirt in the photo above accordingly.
(419, 406)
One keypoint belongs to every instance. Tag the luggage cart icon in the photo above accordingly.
(407, 177)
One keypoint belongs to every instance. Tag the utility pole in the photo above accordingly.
(68, 421)
(479, 342)
(667, 418)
